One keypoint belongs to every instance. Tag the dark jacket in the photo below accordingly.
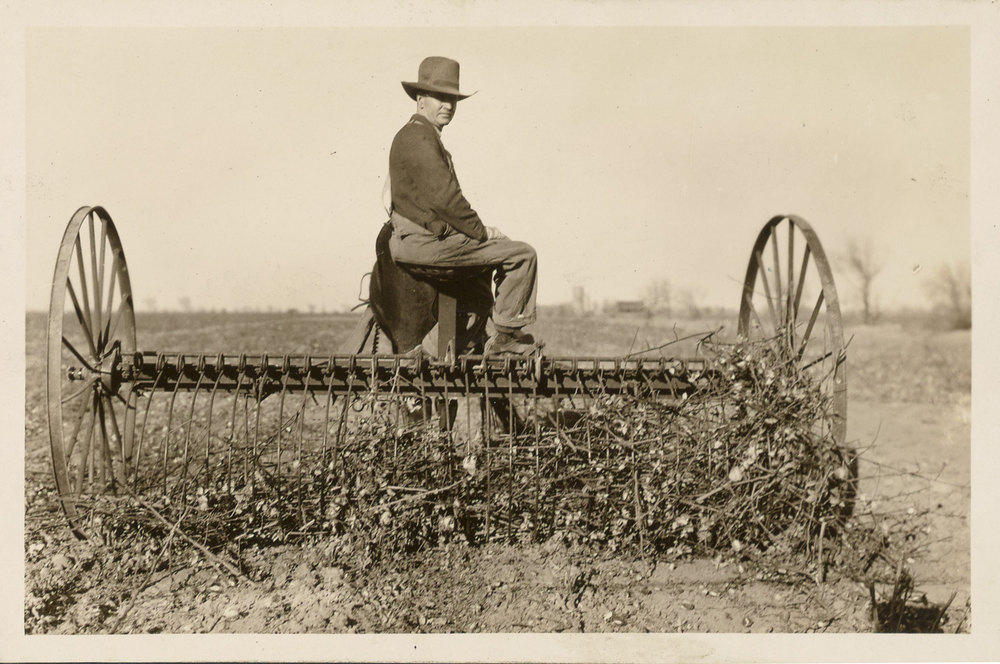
(424, 187)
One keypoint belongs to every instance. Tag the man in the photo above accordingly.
(433, 223)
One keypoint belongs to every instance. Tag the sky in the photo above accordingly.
(244, 166)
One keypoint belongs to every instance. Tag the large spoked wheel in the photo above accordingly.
(91, 327)
(789, 297)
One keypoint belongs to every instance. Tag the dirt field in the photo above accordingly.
(909, 411)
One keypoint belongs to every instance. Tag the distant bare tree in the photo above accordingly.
(690, 303)
(865, 262)
(657, 297)
(950, 289)
(184, 303)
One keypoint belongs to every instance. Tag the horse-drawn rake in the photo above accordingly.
(520, 446)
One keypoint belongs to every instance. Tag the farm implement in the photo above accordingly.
(733, 446)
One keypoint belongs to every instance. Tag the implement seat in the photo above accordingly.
(449, 282)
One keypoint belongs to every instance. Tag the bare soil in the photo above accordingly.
(909, 412)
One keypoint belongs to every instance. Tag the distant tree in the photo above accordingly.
(184, 303)
(865, 262)
(950, 290)
(580, 302)
(691, 304)
(149, 304)
(657, 296)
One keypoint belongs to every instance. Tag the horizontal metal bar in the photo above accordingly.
(544, 376)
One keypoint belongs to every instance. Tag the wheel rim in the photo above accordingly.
(789, 297)
(91, 327)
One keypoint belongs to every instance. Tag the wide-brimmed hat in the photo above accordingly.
(436, 74)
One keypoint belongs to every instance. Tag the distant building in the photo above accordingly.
(628, 307)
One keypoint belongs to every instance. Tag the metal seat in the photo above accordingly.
(441, 278)
(445, 274)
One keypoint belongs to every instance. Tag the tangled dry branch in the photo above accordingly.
(745, 464)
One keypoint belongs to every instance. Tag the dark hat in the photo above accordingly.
(436, 74)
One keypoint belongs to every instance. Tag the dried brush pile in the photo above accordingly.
(743, 464)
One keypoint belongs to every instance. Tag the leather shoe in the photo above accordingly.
(515, 342)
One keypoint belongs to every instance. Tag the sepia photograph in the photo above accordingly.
(641, 335)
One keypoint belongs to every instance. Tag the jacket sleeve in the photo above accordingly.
(431, 175)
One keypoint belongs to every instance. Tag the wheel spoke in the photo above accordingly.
(102, 342)
(83, 318)
(113, 324)
(802, 280)
(98, 277)
(87, 386)
(75, 352)
(812, 322)
(767, 288)
(83, 286)
(71, 444)
(777, 274)
(790, 318)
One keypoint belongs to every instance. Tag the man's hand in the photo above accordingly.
(493, 233)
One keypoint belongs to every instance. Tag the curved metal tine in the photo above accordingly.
(145, 424)
(208, 423)
(487, 414)
(166, 433)
(538, 469)
(85, 455)
(468, 413)
(117, 469)
(281, 426)
(298, 451)
(105, 460)
(394, 405)
(190, 423)
(254, 460)
(232, 434)
(326, 415)
(343, 415)
(809, 327)
(244, 456)
(779, 296)
(510, 450)
(326, 437)
(84, 320)
(130, 403)
(767, 286)
(446, 406)
(83, 290)
(98, 276)
(93, 454)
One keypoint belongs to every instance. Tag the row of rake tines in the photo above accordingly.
(741, 464)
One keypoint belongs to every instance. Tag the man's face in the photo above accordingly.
(437, 108)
